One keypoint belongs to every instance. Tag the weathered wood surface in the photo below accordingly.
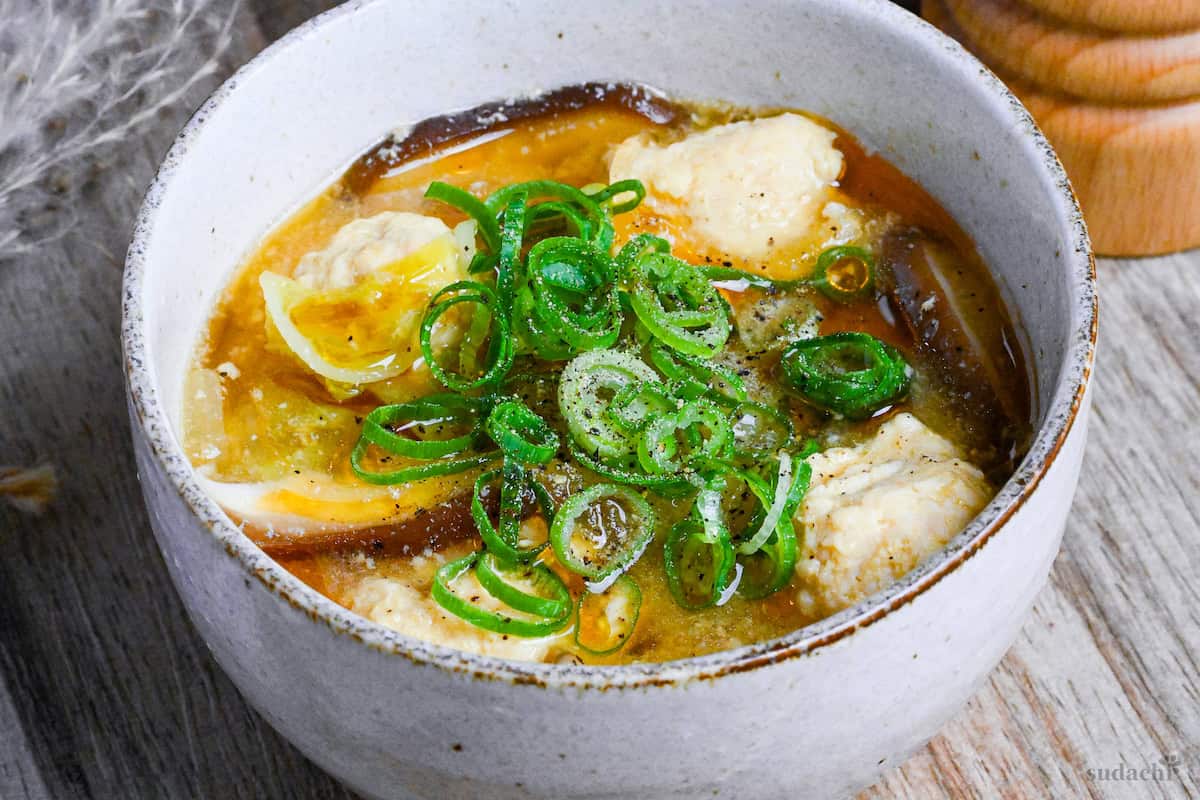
(106, 691)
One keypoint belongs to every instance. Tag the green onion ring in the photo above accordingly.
(779, 551)
(852, 374)
(473, 339)
(580, 387)
(632, 406)
(470, 205)
(657, 447)
(489, 620)
(500, 350)
(667, 485)
(521, 434)
(624, 591)
(532, 332)
(600, 231)
(699, 569)
(512, 234)
(561, 260)
(774, 504)
(750, 420)
(697, 322)
(613, 190)
(693, 378)
(552, 598)
(436, 409)
(834, 256)
(432, 469)
(552, 213)
(504, 539)
(641, 245)
(771, 567)
(620, 551)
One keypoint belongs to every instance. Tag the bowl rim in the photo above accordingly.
(151, 419)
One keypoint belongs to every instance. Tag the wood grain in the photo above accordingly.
(1101, 66)
(106, 691)
(1143, 16)
(1134, 162)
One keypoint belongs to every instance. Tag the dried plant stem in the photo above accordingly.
(29, 489)
(77, 77)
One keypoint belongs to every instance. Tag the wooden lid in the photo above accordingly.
(1091, 64)
(1136, 171)
(1131, 16)
(1135, 168)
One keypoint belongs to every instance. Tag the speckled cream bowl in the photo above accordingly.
(818, 713)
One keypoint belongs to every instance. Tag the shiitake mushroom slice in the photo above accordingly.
(430, 135)
(961, 329)
(436, 528)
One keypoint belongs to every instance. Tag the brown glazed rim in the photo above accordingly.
(1064, 408)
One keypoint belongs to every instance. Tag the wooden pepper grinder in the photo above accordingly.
(1115, 86)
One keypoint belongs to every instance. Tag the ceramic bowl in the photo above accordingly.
(818, 713)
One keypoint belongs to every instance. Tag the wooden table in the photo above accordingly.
(106, 691)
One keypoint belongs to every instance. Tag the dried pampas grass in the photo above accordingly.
(80, 76)
(29, 489)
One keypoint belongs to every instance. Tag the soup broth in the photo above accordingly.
(271, 434)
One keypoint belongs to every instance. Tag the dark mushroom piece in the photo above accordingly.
(961, 328)
(430, 135)
(435, 528)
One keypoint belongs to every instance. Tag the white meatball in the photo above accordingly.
(365, 245)
(875, 511)
(746, 186)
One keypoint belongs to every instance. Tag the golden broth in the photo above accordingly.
(280, 419)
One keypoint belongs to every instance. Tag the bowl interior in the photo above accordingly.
(288, 122)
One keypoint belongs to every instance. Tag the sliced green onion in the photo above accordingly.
(473, 340)
(600, 532)
(512, 234)
(759, 430)
(562, 297)
(500, 350)
(770, 568)
(635, 404)
(643, 244)
(504, 538)
(416, 472)
(534, 335)
(852, 374)
(844, 273)
(692, 377)
(775, 506)
(521, 434)
(605, 621)
(628, 471)
(608, 195)
(470, 205)
(572, 296)
(585, 390)
(599, 227)
(532, 588)
(704, 427)
(555, 214)
(467, 605)
(432, 414)
(678, 305)
(699, 568)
